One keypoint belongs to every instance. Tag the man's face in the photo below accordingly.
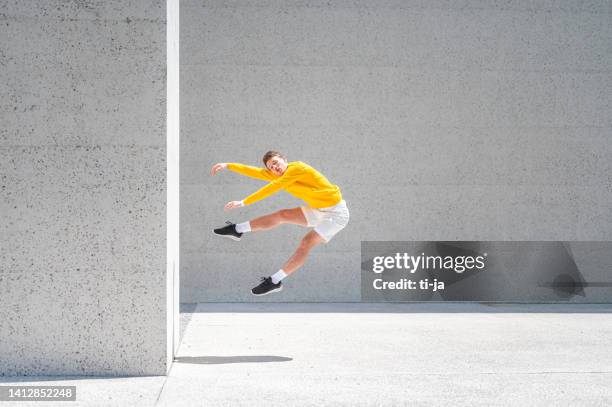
(277, 166)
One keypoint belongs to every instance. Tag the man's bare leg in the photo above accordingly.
(309, 241)
(293, 216)
(273, 283)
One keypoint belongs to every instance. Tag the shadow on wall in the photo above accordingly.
(403, 307)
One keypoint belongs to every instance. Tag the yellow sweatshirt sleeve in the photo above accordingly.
(249, 171)
(291, 175)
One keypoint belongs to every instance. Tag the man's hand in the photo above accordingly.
(217, 167)
(232, 204)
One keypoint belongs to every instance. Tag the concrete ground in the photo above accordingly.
(301, 354)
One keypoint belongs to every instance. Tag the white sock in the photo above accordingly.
(243, 227)
(278, 276)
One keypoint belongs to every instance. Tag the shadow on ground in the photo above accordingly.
(217, 360)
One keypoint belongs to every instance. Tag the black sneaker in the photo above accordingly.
(267, 287)
(228, 231)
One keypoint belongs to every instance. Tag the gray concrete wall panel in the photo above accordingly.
(83, 147)
(440, 120)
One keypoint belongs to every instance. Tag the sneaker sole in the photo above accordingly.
(237, 239)
(269, 292)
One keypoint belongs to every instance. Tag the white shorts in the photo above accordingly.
(327, 221)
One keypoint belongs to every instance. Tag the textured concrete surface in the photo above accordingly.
(322, 354)
(392, 354)
(440, 120)
(83, 202)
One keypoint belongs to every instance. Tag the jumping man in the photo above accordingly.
(325, 211)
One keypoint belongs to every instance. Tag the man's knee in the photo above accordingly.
(309, 241)
(284, 215)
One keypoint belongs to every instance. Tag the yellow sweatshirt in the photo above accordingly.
(299, 180)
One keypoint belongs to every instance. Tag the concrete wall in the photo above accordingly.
(83, 150)
(440, 120)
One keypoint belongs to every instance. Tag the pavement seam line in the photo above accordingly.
(164, 385)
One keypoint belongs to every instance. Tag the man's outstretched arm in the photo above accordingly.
(247, 170)
(289, 177)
